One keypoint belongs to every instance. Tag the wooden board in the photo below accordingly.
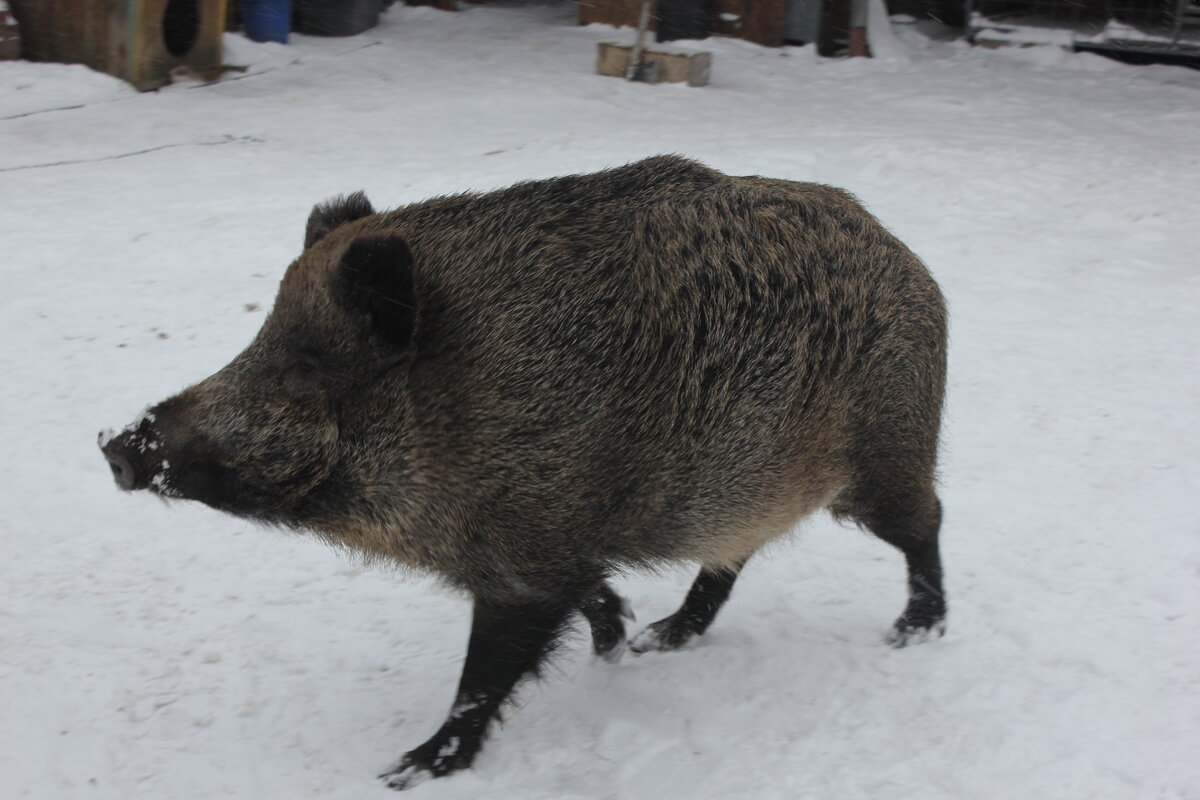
(690, 68)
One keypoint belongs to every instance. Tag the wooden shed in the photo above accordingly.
(141, 41)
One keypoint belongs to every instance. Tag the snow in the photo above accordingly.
(880, 37)
(648, 639)
(27, 88)
(406, 778)
(154, 651)
(449, 748)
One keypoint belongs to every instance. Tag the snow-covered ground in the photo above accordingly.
(155, 652)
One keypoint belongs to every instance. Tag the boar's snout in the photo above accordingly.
(117, 452)
(233, 442)
(132, 453)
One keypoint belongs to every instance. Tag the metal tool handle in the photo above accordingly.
(635, 59)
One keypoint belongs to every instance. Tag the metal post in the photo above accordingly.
(1180, 10)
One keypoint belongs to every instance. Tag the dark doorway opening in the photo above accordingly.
(180, 26)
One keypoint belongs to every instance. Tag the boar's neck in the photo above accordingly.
(379, 515)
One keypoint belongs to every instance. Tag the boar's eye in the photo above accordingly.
(302, 375)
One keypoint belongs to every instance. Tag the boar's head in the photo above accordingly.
(258, 437)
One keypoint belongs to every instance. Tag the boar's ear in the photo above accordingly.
(333, 214)
(376, 276)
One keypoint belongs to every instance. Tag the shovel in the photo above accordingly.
(639, 68)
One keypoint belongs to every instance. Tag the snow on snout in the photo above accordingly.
(143, 442)
(159, 481)
(141, 436)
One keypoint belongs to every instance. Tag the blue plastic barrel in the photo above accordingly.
(266, 20)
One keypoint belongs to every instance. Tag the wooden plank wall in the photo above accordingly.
(120, 37)
(73, 31)
(759, 21)
(611, 12)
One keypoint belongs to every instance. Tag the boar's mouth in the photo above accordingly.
(140, 464)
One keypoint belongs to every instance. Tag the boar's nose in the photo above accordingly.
(117, 452)
(122, 470)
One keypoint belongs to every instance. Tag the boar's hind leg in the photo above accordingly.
(910, 522)
(507, 642)
(604, 611)
(708, 593)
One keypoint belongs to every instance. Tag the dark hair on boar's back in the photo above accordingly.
(528, 390)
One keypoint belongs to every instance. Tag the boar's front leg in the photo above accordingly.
(508, 641)
(709, 592)
(604, 611)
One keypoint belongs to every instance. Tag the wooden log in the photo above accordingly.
(691, 68)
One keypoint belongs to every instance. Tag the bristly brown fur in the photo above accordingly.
(528, 390)
(650, 364)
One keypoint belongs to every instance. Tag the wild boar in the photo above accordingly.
(527, 390)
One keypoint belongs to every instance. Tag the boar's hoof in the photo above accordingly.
(606, 612)
(903, 633)
(671, 633)
(611, 652)
(609, 642)
(405, 777)
(441, 755)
